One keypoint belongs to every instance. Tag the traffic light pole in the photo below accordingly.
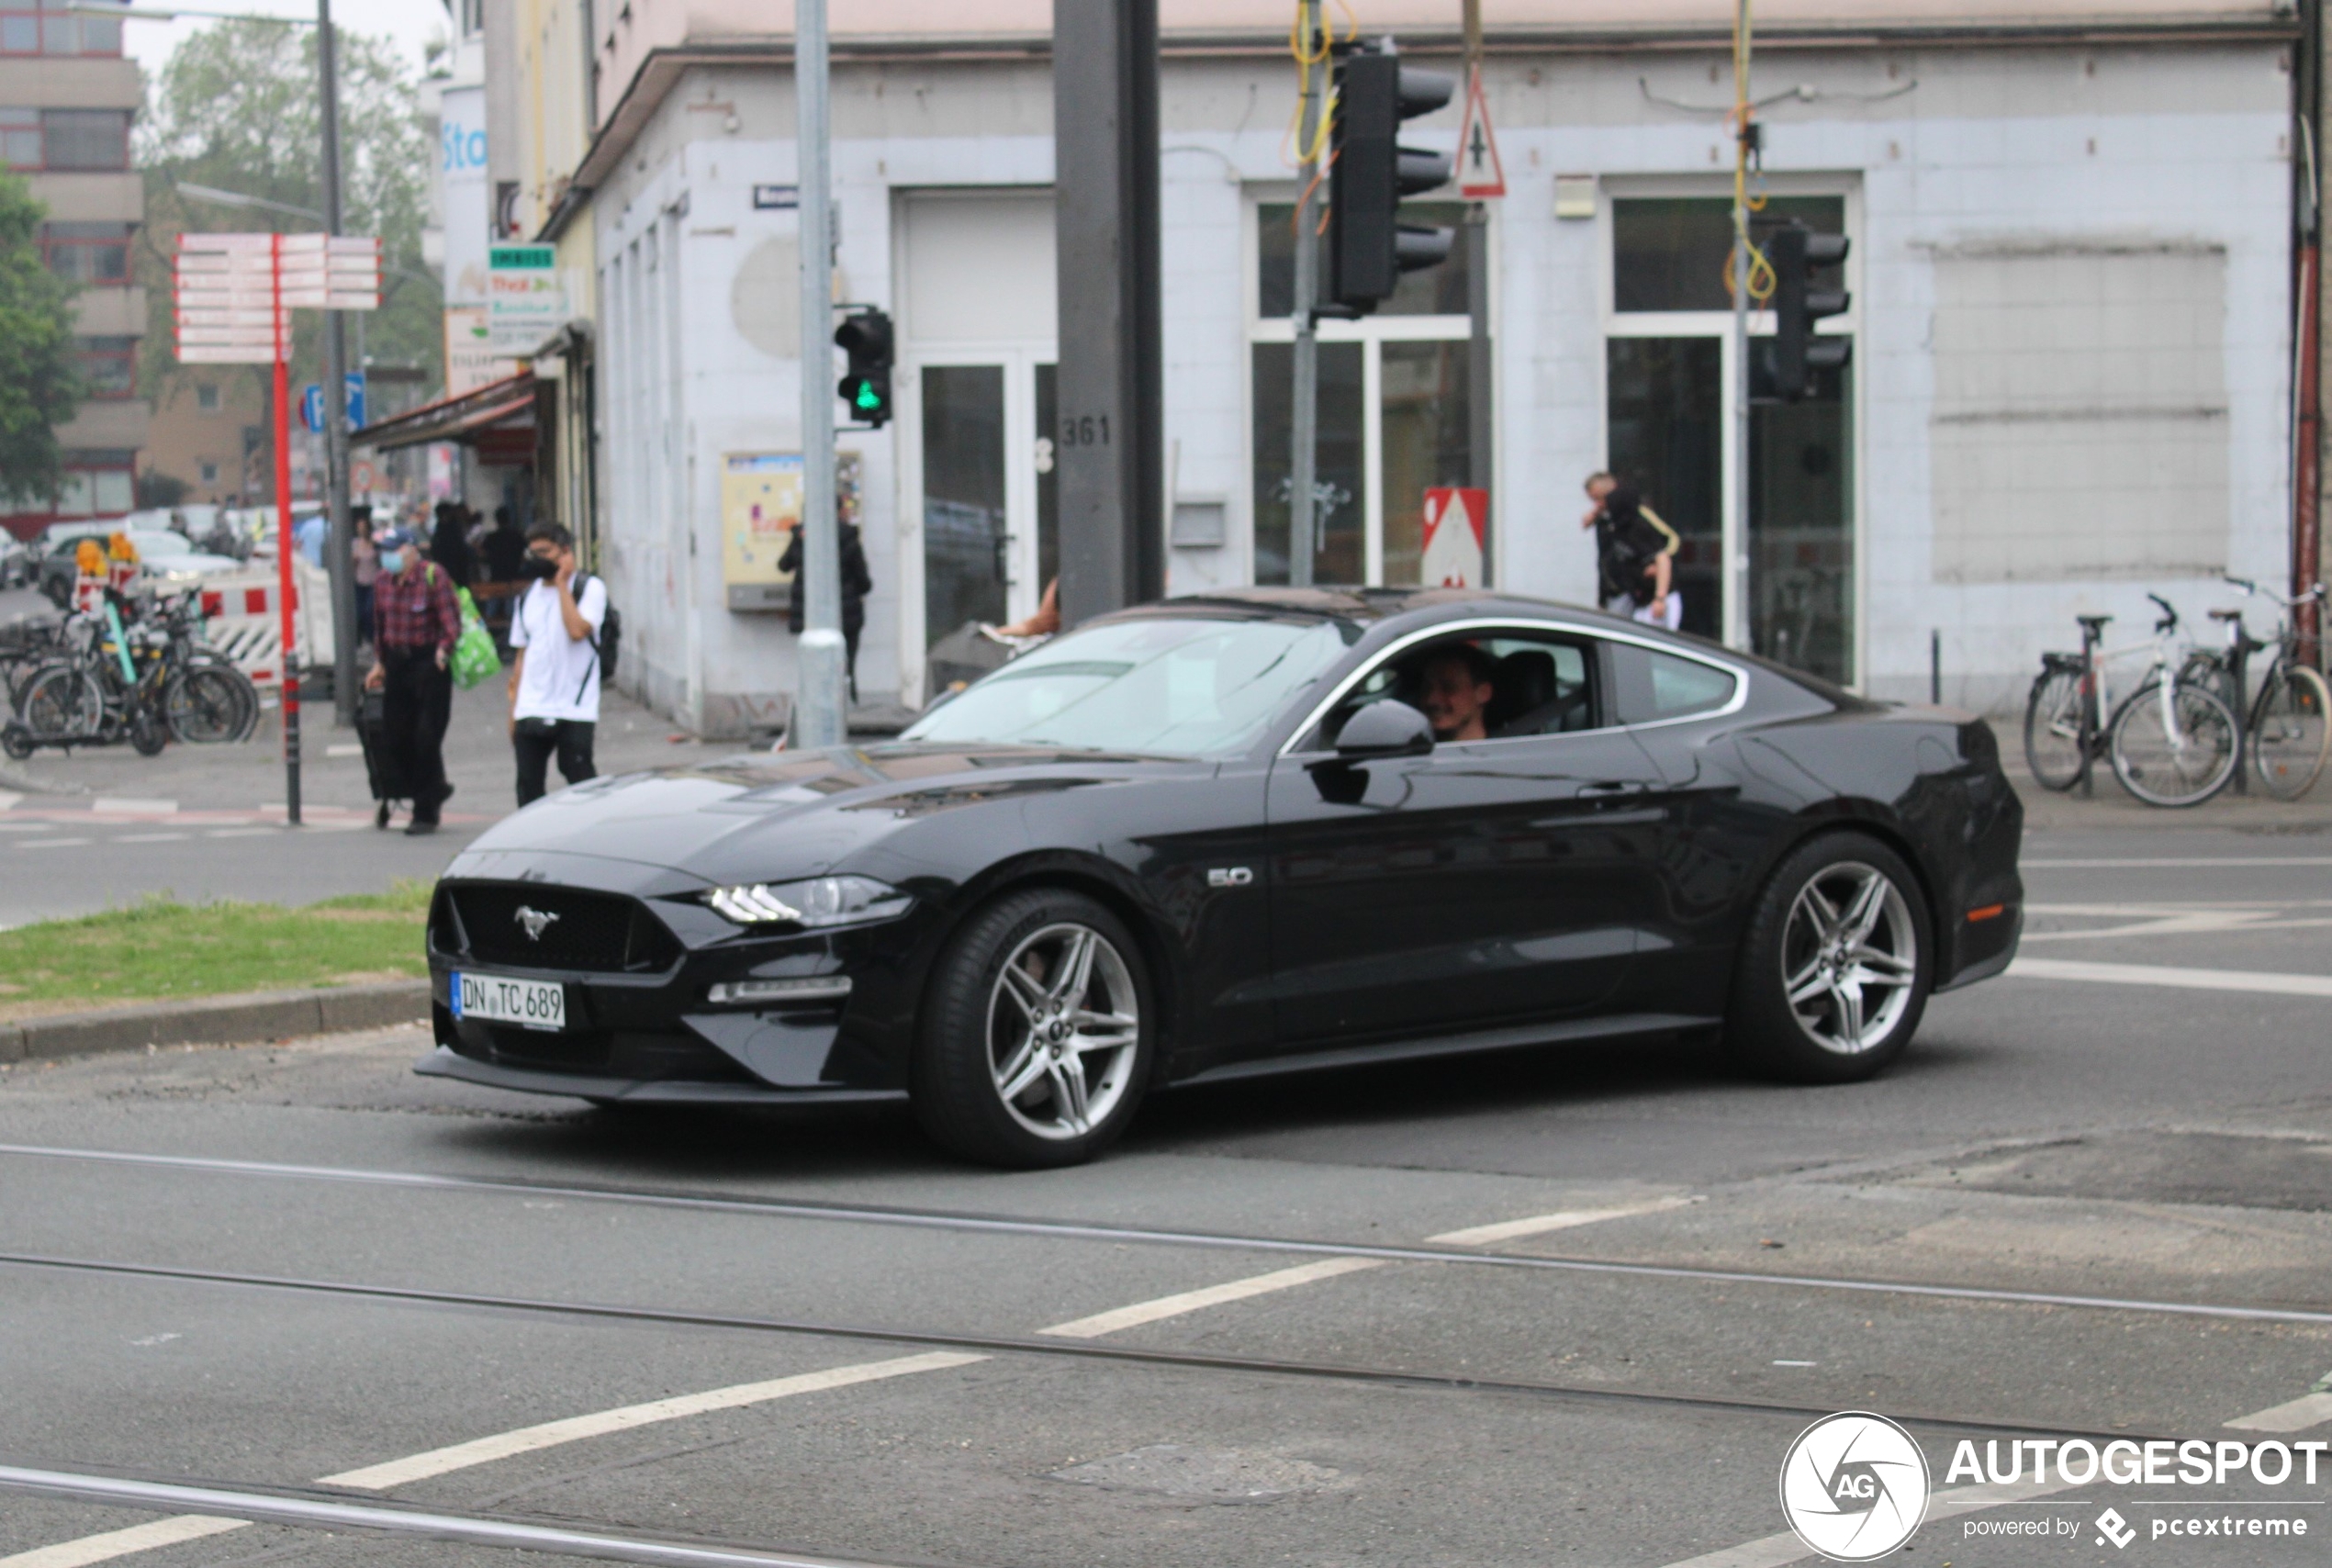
(340, 535)
(1303, 544)
(1736, 529)
(1481, 455)
(820, 718)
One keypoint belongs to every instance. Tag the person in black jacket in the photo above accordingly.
(857, 583)
(450, 545)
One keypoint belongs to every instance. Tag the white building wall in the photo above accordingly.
(2178, 143)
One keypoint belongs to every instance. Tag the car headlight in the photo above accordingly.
(821, 900)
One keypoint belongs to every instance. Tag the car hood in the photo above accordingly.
(781, 815)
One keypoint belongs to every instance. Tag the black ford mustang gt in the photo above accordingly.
(1217, 837)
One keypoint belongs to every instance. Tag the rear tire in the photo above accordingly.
(2053, 729)
(1038, 1032)
(2291, 737)
(1836, 966)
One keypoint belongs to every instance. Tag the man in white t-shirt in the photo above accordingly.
(555, 686)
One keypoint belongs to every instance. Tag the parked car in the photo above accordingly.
(1259, 831)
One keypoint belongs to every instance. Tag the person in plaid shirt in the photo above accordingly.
(415, 621)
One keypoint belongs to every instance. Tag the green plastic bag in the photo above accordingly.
(475, 660)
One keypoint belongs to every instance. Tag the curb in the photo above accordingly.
(215, 1021)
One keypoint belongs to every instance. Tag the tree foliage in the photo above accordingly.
(39, 379)
(237, 109)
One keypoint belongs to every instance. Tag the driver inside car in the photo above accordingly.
(1459, 683)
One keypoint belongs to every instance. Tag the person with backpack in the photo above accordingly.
(555, 685)
(415, 623)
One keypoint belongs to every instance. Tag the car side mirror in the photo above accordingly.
(1385, 729)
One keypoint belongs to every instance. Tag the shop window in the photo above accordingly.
(1373, 464)
(1435, 291)
(1673, 252)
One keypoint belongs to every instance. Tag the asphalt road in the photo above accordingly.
(2094, 1206)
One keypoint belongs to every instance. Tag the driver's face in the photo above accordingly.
(1454, 701)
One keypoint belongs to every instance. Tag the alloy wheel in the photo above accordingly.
(1063, 1024)
(1849, 957)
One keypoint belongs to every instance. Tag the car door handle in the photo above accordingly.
(1613, 789)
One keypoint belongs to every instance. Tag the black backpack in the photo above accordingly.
(609, 641)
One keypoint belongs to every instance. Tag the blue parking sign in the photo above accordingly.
(312, 407)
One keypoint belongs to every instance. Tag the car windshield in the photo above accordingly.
(1177, 688)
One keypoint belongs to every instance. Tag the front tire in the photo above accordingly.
(2175, 753)
(1038, 1033)
(1835, 972)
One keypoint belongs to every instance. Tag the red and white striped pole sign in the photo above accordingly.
(232, 295)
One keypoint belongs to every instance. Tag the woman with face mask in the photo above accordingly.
(415, 621)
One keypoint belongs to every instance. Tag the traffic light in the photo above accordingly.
(1368, 246)
(864, 335)
(1795, 251)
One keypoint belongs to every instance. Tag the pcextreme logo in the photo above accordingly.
(1855, 1486)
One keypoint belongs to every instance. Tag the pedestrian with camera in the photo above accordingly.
(555, 685)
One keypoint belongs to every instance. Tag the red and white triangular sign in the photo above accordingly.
(1480, 174)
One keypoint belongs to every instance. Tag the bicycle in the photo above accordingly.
(2171, 742)
(2286, 735)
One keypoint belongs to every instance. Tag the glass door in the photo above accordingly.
(1781, 578)
(990, 493)
(1801, 534)
(966, 574)
(1665, 423)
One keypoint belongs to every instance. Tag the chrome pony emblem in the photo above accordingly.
(536, 921)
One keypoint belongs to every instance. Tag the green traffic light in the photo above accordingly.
(866, 397)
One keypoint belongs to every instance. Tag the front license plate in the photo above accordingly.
(533, 1005)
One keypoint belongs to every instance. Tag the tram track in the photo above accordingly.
(1074, 1230)
(213, 1507)
(1023, 1345)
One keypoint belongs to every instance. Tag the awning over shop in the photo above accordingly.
(497, 418)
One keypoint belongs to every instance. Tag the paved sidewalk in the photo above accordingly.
(86, 830)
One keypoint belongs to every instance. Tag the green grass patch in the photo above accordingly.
(159, 948)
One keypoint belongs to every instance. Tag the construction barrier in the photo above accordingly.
(245, 619)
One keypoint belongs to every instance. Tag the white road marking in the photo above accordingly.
(130, 806)
(2134, 862)
(2260, 980)
(8, 799)
(1508, 1230)
(1775, 1549)
(551, 1434)
(240, 833)
(2309, 1410)
(28, 827)
(356, 750)
(149, 837)
(49, 843)
(1166, 1306)
(123, 1542)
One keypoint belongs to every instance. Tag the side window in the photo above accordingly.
(1483, 686)
(1652, 686)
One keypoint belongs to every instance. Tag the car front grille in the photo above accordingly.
(540, 927)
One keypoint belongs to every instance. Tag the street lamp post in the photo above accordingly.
(342, 551)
